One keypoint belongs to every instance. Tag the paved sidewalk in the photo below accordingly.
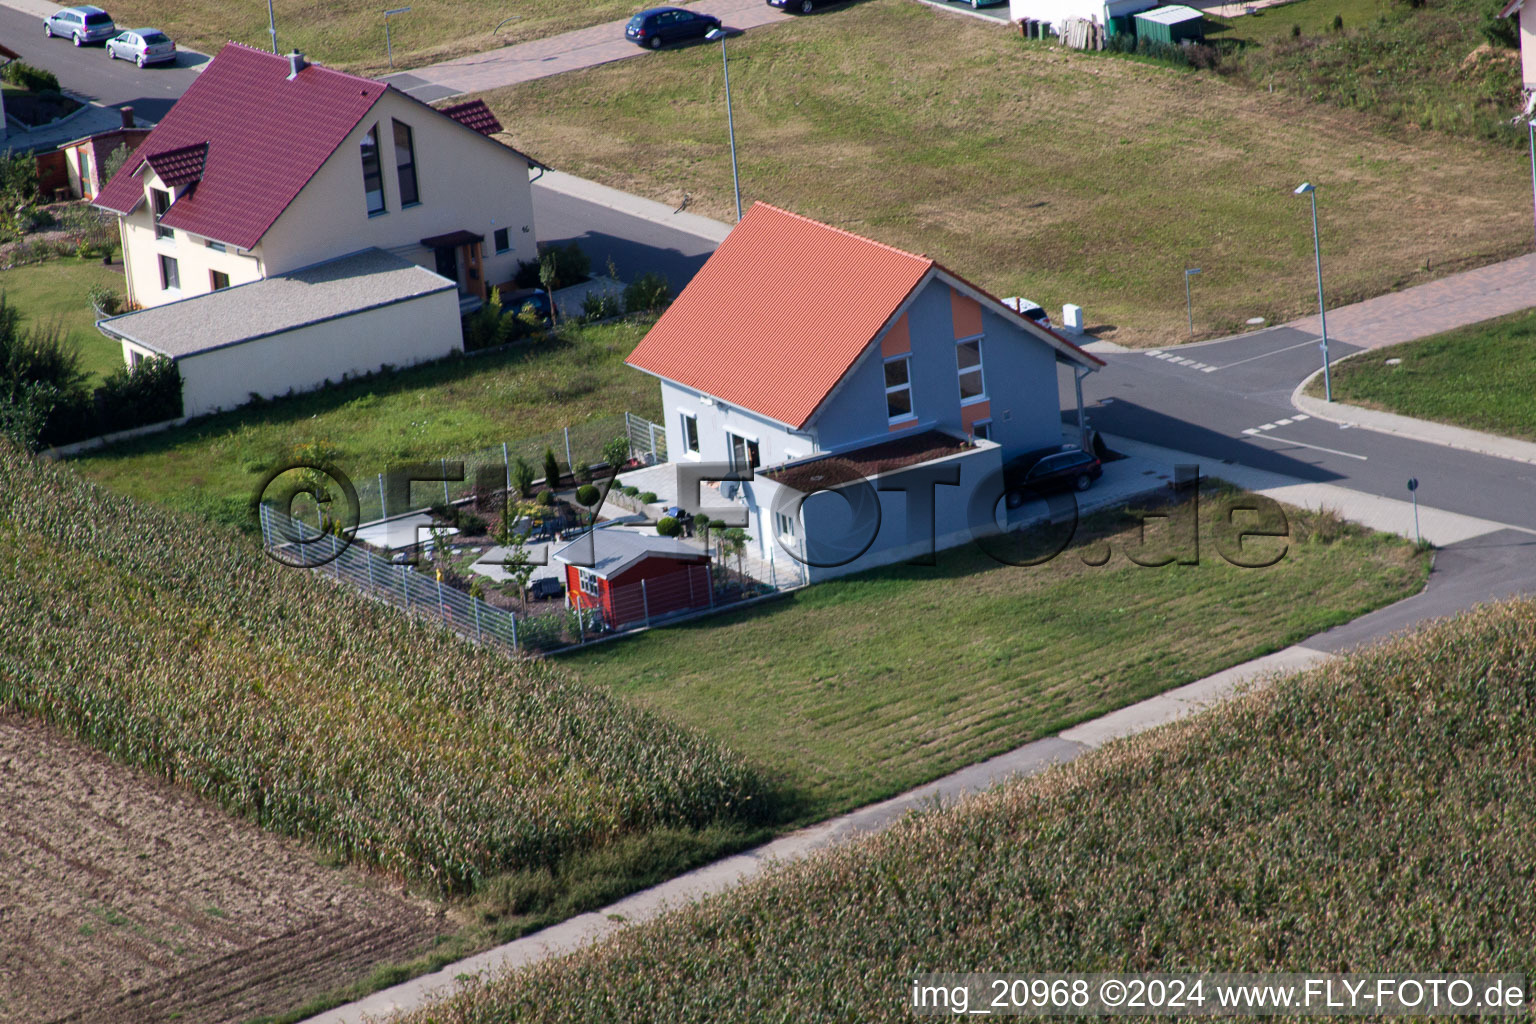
(1445, 597)
(1417, 312)
(554, 55)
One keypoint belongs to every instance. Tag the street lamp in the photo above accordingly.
(272, 26)
(388, 46)
(1310, 191)
(1530, 127)
(720, 34)
(1189, 306)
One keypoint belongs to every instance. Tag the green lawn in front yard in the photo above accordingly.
(1034, 171)
(1482, 377)
(55, 291)
(859, 688)
(441, 411)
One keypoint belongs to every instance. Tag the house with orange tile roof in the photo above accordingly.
(881, 365)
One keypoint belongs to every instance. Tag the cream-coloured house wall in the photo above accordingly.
(418, 329)
(465, 181)
(1528, 45)
(194, 260)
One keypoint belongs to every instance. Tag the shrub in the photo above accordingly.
(522, 476)
(630, 490)
(646, 497)
(568, 264)
(600, 306)
(647, 293)
(1501, 32)
(546, 498)
(444, 511)
(583, 473)
(1295, 31)
(470, 524)
(1338, 23)
(616, 452)
(667, 526)
(25, 76)
(551, 468)
(104, 300)
(588, 495)
(114, 161)
(151, 393)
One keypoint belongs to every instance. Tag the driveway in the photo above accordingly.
(570, 51)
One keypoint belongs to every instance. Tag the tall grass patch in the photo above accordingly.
(381, 739)
(1375, 815)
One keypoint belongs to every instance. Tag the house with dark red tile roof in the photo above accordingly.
(269, 166)
(815, 359)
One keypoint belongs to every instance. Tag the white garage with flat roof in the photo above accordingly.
(295, 331)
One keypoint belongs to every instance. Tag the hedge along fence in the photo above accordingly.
(174, 646)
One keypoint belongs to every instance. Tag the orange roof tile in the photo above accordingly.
(779, 313)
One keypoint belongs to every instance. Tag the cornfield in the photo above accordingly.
(1376, 814)
(383, 740)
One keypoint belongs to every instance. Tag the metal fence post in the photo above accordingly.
(405, 586)
(568, 461)
(476, 605)
(383, 503)
(513, 620)
(506, 464)
(645, 603)
(443, 463)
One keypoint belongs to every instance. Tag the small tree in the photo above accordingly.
(114, 161)
(549, 277)
(734, 541)
(646, 293)
(522, 477)
(588, 495)
(518, 565)
(667, 526)
(551, 469)
(616, 453)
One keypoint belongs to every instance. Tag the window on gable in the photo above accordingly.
(690, 433)
(898, 388)
(503, 242)
(405, 165)
(982, 430)
(162, 204)
(170, 274)
(215, 246)
(218, 279)
(968, 362)
(373, 172)
(587, 580)
(744, 451)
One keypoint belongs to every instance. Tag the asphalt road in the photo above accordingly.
(89, 73)
(1230, 414)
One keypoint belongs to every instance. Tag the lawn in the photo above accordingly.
(1059, 176)
(349, 34)
(54, 291)
(440, 411)
(863, 687)
(1482, 377)
(1374, 815)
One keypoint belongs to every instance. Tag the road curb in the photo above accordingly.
(1426, 431)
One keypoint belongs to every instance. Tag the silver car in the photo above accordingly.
(142, 46)
(81, 24)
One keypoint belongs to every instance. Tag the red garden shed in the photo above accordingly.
(633, 577)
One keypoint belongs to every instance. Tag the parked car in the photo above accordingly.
(798, 6)
(1064, 467)
(661, 25)
(1032, 310)
(514, 301)
(546, 587)
(142, 46)
(81, 24)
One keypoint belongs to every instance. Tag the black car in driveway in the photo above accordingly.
(661, 25)
(1064, 467)
(799, 6)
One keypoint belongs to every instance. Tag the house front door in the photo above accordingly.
(448, 262)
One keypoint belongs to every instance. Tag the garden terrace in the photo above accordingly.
(825, 471)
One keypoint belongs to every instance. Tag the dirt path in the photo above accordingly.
(123, 898)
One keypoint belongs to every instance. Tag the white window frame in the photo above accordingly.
(785, 526)
(155, 214)
(586, 582)
(980, 369)
(747, 444)
(911, 413)
(162, 260)
(981, 425)
(688, 418)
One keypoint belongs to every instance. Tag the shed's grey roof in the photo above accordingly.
(614, 549)
(310, 295)
(1171, 15)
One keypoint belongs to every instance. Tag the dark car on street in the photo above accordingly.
(659, 26)
(1064, 467)
(799, 6)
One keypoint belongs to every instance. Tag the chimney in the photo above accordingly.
(296, 63)
(127, 113)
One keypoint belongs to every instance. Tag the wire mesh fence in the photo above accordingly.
(490, 469)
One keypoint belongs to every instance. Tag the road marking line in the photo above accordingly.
(1315, 447)
(1299, 417)
(1265, 355)
(1266, 426)
(1154, 352)
(1253, 431)
(1283, 423)
(1210, 369)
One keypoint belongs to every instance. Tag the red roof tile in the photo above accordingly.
(178, 167)
(778, 314)
(266, 137)
(782, 310)
(475, 115)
